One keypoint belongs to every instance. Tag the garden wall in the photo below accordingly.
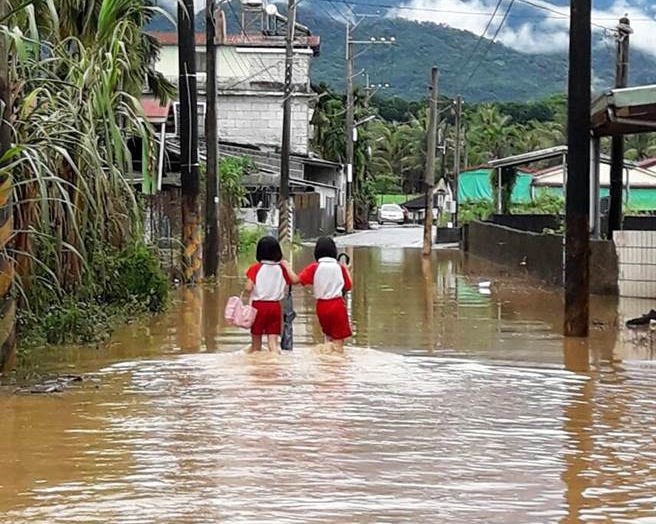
(540, 255)
(535, 223)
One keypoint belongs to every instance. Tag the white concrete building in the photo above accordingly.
(251, 71)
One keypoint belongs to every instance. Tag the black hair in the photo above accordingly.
(325, 248)
(268, 248)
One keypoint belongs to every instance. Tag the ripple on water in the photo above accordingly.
(361, 437)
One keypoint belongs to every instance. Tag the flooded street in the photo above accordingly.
(456, 404)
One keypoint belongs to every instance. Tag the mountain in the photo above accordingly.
(494, 72)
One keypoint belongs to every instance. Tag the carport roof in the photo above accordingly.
(624, 111)
(529, 158)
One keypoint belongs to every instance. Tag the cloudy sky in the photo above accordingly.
(531, 29)
(528, 28)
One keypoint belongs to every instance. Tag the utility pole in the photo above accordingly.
(350, 113)
(284, 204)
(7, 303)
(429, 174)
(577, 205)
(213, 21)
(187, 87)
(456, 158)
(617, 142)
(350, 128)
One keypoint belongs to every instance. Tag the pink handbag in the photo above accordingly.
(231, 308)
(238, 314)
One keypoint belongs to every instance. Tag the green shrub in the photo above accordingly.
(475, 210)
(248, 238)
(135, 275)
(118, 286)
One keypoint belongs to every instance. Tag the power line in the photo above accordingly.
(560, 13)
(480, 39)
(244, 32)
(557, 14)
(489, 45)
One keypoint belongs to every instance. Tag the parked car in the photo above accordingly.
(391, 213)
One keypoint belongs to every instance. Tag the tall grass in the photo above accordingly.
(76, 73)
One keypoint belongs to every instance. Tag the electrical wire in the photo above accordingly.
(478, 42)
(244, 32)
(557, 14)
(489, 45)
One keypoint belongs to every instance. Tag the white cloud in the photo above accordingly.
(533, 35)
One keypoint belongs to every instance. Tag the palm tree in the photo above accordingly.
(639, 147)
(490, 132)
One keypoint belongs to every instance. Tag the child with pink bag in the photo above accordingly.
(268, 279)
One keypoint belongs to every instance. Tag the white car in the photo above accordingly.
(391, 213)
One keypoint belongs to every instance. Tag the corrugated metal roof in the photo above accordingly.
(635, 177)
(529, 158)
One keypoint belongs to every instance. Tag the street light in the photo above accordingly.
(365, 120)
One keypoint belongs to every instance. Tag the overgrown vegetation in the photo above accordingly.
(543, 204)
(76, 75)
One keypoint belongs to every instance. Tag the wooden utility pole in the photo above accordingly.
(187, 87)
(213, 20)
(617, 142)
(456, 158)
(350, 127)
(284, 204)
(577, 238)
(7, 303)
(429, 174)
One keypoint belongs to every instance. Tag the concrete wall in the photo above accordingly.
(535, 223)
(256, 118)
(242, 68)
(250, 83)
(541, 256)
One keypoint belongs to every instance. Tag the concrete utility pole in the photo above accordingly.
(350, 113)
(213, 20)
(456, 157)
(429, 174)
(7, 304)
(350, 128)
(187, 87)
(577, 238)
(284, 204)
(617, 142)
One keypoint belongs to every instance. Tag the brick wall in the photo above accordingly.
(257, 119)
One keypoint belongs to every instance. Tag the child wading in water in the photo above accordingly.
(267, 282)
(329, 279)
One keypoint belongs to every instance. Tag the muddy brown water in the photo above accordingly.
(454, 405)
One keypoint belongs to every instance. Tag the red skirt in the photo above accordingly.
(269, 318)
(333, 318)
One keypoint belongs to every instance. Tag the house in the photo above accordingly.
(250, 82)
(251, 72)
(639, 184)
